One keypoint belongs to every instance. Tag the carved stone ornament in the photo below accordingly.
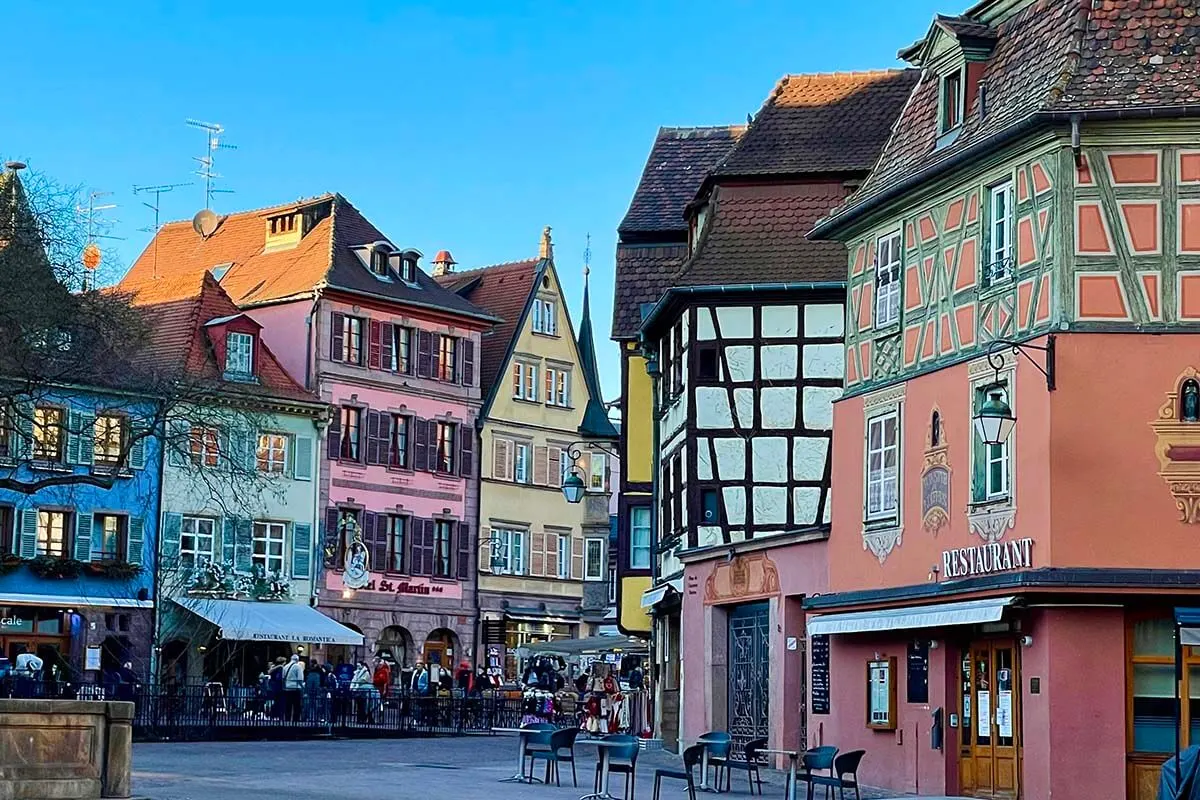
(990, 523)
(882, 542)
(1177, 434)
(749, 576)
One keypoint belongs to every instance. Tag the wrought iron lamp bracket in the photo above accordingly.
(996, 360)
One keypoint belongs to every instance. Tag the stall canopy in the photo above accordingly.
(587, 646)
(246, 620)
(967, 612)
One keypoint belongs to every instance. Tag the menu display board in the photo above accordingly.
(881, 694)
(918, 672)
(819, 682)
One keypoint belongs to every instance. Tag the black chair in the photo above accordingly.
(535, 741)
(561, 748)
(622, 759)
(749, 765)
(691, 759)
(843, 765)
(818, 758)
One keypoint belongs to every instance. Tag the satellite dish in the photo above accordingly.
(205, 222)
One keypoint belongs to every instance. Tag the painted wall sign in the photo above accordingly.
(392, 584)
(988, 558)
(819, 682)
(935, 498)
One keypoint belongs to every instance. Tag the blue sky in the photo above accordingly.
(466, 126)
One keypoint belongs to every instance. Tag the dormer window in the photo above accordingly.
(285, 223)
(951, 115)
(408, 269)
(379, 261)
(239, 354)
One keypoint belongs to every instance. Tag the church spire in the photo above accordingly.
(595, 419)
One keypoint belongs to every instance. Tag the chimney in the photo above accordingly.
(546, 250)
(443, 263)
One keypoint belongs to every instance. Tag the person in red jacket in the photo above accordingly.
(382, 678)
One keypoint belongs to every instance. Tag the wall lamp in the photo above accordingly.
(573, 486)
(994, 421)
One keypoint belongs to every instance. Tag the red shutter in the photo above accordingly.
(466, 450)
(374, 332)
(420, 443)
(372, 437)
(387, 339)
(427, 547)
(375, 538)
(424, 354)
(416, 547)
(387, 439)
(333, 438)
(464, 551)
(336, 339)
(332, 542)
(468, 361)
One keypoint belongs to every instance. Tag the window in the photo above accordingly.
(509, 545)
(710, 507)
(883, 475)
(283, 224)
(348, 527)
(887, 280)
(521, 463)
(991, 460)
(952, 102)
(545, 318)
(593, 560)
(598, 473)
(351, 423)
(203, 446)
(558, 388)
(352, 349)
(639, 537)
(408, 269)
(612, 584)
(1151, 681)
(402, 350)
(379, 261)
(195, 541)
(109, 533)
(397, 537)
(48, 433)
(999, 247)
(7, 432)
(525, 381)
(400, 425)
(707, 368)
(272, 453)
(52, 534)
(447, 358)
(445, 447)
(268, 546)
(677, 357)
(564, 465)
(239, 353)
(8, 539)
(564, 555)
(109, 436)
(441, 548)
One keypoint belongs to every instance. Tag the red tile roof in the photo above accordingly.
(503, 290)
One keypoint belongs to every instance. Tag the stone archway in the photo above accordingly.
(443, 647)
(395, 642)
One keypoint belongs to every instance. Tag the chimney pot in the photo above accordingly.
(443, 263)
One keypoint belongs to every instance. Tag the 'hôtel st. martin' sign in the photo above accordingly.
(963, 562)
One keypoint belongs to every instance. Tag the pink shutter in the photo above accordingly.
(577, 558)
(373, 344)
(541, 460)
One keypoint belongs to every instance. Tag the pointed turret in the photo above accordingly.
(595, 422)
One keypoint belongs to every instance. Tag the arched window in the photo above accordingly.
(935, 429)
(1189, 401)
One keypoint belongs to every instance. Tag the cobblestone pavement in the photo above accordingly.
(466, 768)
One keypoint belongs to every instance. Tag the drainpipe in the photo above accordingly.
(655, 523)
(318, 550)
(309, 348)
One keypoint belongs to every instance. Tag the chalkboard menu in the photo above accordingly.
(918, 672)
(819, 687)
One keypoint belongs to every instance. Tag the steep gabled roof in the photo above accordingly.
(644, 272)
(254, 274)
(595, 422)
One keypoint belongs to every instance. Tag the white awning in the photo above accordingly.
(249, 620)
(968, 612)
(652, 597)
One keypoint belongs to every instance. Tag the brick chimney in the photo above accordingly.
(546, 249)
(443, 263)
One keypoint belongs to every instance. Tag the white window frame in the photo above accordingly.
(600, 459)
(204, 446)
(637, 547)
(564, 465)
(612, 584)
(47, 530)
(402, 337)
(271, 453)
(239, 353)
(944, 123)
(268, 533)
(545, 316)
(1000, 228)
(193, 554)
(594, 562)
(883, 478)
(109, 440)
(993, 454)
(352, 334)
(521, 463)
(558, 387)
(564, 555)
(887, 279)
(525, 381)
(509, 544)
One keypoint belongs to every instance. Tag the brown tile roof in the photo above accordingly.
(171, 265)
(502, 290)
(678, 163)
(178, 344)
(836, 122)
(644, 272)
(1051, 57)
(756, 234)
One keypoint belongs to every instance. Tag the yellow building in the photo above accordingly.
(543, 561)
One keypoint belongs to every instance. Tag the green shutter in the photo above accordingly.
(301, 550)
(74, 440)
(136, 541)
(172, 526)
(978, 453)
(86, 433)
(228, 539)
(29, 525)
(137, 452)
(244, 545)
(302, 457)
(244, 443)
(83, 537)
(25, 428)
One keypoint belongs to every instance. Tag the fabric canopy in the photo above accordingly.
(248, 620)
(968, 612)
(1188, 620)
(591, 644)
(652, 597)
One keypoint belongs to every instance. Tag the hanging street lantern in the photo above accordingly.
(572, 487)
(994, 421)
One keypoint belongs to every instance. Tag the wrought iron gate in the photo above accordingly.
(749, 671)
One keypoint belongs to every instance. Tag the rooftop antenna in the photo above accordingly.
(91, 252)
(212, 137)
(157, 191)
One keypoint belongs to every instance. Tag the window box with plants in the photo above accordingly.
(53, 567)
(116, 570)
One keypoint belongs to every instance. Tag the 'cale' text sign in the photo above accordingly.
(985, 559)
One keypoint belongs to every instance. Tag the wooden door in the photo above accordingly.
(989, 708)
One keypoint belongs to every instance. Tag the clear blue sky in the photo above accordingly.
(466, 126)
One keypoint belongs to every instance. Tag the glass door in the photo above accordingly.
(990, 749)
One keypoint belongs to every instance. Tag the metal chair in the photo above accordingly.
(720, 747)
(818, 758)
(622, 758)
(843, 765)
(749, 764)
(691, 758)
(561, 748)
(536, 741)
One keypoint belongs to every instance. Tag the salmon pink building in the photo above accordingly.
(1016, 458)
(353, 318)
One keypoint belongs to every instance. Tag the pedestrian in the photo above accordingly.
(28, 669)
(463, 679)
(420, 680)
(381, 679)
(480, 682)
(314, 691)
(360, 689)
(275, 687)
(293, 688)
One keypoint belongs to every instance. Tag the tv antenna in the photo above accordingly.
(156, 207)
(212, 137)
(91, 218)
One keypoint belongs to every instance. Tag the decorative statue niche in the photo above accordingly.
(1177, 444)
(1189, 401)
(935, 477)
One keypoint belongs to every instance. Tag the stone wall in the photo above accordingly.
(65, 749)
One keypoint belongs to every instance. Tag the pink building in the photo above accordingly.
(353, 318)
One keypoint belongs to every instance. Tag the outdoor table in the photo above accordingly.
(703, 785)
(519, 777)
(603, 745)
(793, 757)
